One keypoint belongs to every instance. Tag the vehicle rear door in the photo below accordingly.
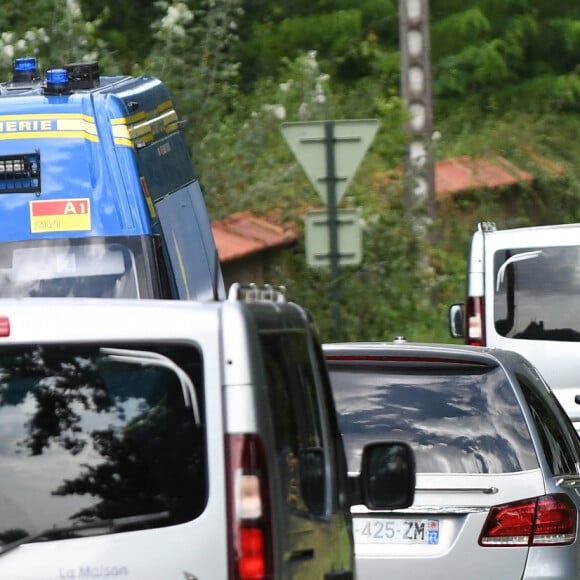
(112, 448)
(319, 541)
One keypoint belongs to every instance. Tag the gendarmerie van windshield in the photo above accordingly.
(98, 193)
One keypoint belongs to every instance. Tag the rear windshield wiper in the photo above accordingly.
(511, 260)
(111, 525)
(144, 357)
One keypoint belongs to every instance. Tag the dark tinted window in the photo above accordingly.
(559, 440)
(166, 165)
(296, 414)
(456, 419)
(162, 261)
(537, 293)
(89, 434)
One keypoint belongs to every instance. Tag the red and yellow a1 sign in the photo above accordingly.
(60, 215)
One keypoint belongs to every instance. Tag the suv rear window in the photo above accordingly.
(536, 293)
(456, 419)
(90, 433)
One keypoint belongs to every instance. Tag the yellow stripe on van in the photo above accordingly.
(121, 134)
(48, 126)
(74, 124)
(182, 268)
(145, 126)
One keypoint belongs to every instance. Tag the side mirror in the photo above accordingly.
(387, 477)
(456, 320)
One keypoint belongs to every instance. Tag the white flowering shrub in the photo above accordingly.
(54, 31)
(195, 54)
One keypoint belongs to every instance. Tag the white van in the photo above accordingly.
(523, 294)
(160, 440)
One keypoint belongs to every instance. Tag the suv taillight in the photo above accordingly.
(475, 321)
(549, 520)
(249, 514)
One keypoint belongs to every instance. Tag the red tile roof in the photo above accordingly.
(243, 233)
(466, 173)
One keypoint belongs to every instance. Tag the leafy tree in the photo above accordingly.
(55, 31)
(126, 27)
(485, 49)
(195, 53)
(334, 29)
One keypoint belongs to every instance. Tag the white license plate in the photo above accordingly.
(396, 531)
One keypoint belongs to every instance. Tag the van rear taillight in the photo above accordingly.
(549, 520)
(249, 512)
(475, 321)
(4, 326)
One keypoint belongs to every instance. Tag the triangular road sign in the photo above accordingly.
(351, 140)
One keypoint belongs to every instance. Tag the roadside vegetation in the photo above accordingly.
(506, 80)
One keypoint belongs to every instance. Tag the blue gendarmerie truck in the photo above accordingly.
(98, 193)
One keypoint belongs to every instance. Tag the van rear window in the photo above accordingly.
(92, 433)
(94, 267)
(166, 165)
(537, 293)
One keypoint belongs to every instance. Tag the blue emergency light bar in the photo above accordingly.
(25, 69)
(57, 82)
(25, 64)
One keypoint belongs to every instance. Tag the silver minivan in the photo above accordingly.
(523, 294)
(152, 439)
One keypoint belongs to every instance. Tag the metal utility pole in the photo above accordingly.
(415, 46)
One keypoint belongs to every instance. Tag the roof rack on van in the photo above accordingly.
(257, 293)
(486, 226)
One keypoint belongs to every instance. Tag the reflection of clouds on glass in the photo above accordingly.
(23, 495)
(12, 428)
(28, 480)
(554, 270)
(562, 266)
(454, 424)
(82, 436)
(120, 414)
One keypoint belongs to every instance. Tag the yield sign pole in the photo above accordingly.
(333, 227)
